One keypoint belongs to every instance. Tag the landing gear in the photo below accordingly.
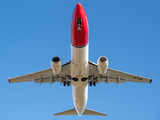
(68, 83)
(94, 83)
(64, 83)
(90, 83)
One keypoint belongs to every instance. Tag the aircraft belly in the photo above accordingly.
(79, 62)
(79, 68)
(80, 97)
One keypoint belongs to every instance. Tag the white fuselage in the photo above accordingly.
(80, 69)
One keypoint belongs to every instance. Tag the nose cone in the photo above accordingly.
(79, 9)
(79, 27)
(79, 6)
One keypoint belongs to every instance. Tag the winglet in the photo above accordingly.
(9, 80)
(150, 81)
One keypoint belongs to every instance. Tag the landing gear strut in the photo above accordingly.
(64, 83)
(90, 83)
(94, 83)
(68, 83)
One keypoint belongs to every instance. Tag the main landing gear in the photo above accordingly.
(92, 83)
(66, 83)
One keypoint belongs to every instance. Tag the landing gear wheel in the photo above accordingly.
(94, 83)
(68, 83)
(64, 83)
(90, 83)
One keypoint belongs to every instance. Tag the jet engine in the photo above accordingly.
(56, 65)
(102, 63)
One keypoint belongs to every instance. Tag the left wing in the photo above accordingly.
(114, 76)
(45, 76)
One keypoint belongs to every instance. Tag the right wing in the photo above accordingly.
(45, 76)
(114, 76)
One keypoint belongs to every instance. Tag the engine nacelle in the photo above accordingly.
(56, 65)
(102, 63)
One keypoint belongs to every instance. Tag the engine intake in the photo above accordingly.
(56, 65)
(55, 59)
(102, 63)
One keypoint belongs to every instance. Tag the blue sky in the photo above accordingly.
(34, 31)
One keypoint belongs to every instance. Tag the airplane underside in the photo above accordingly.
(79, 70)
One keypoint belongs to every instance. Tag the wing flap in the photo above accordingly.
(127, 76)
(111, 80)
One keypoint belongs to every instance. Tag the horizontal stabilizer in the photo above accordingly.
(91, 112)
(68, 112)
(86, 112)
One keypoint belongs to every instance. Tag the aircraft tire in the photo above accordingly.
(94, 83)
(90, 83)
(64, 83)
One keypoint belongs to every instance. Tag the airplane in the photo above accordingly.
(79, 71)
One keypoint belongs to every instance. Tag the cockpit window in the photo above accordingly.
(78, 21)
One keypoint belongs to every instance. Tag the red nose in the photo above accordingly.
(79, 27)
(79, 9)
